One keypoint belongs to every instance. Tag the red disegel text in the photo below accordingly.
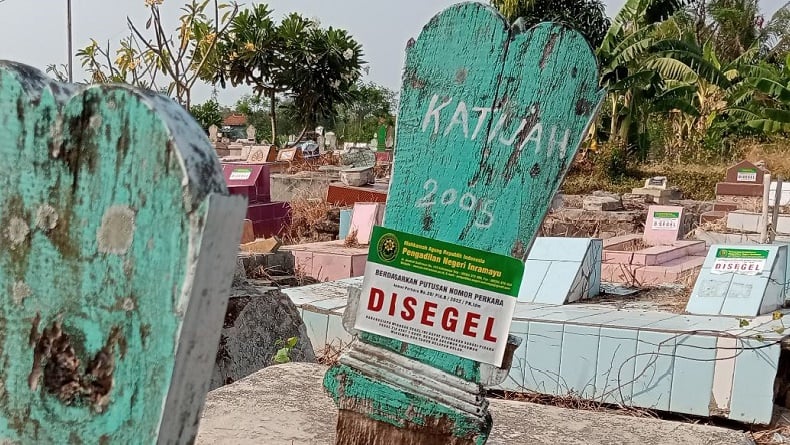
(427, 313)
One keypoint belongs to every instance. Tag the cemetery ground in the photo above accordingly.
(315, 220)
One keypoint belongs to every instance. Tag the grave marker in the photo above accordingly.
(260, 154)
(251, 133)
(116, 259)
(212, 133)
(743, 179)
(657, 190)
(743, 281)
(364, 217)
(664, 225)
(657, 183)
(487, 130)
(289, 154)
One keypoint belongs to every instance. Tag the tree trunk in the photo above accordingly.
(299, 139)
(273, 115)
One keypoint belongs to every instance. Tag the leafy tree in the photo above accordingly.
(647, 71)
(207, 114)
(163, 62)
(257, 110)
(359, 119)
(314, 67)
(775, 35)
(586, 16)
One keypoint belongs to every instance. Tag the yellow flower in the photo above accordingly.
(249, 46)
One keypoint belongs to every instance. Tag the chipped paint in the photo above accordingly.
(116, 232)
(46, 217)
(17, 231)
(20, 292)
(89, 333)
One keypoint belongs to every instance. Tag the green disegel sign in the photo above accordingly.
(740, 261)
(747, 175)
(240, 174)
(439, 295)
(753, 254)
(666, 221)
(446, 261)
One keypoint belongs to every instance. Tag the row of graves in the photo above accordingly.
(453, 296)
(264, 175)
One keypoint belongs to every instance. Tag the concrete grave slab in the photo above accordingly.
(752, 222)
(602, 204)
(345, 195)
(592, 350)
(329, 261)
(784, 198)
(288, 187)
(562, 270)
(249, 180)
(626, 261)
(345, 223)
(743, 281)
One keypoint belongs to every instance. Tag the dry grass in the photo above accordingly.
(696, 179)
(667, 299)
(312, 165)
(635, 245)
(331, 353)
(307, 214)
(572, 401)
(351, 239)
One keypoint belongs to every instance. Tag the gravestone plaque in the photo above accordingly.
(657, 183)
(491, 117)
(664, 225)
(116, 258)
(289, 154)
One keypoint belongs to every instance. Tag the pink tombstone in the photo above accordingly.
(364, 218)
(663, 226)
(250, 180)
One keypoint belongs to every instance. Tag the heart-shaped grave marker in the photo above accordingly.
(116, 256)
(491, 117)
(490, 121)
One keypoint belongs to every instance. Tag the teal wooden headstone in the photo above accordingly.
(116, 255)
(490, 120)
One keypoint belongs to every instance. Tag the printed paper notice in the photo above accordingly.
(747, 175)
(439, 295)
(666, 220)
(240, 174)
(740, 261)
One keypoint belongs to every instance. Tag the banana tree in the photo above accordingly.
(647, 72)
(761, 100)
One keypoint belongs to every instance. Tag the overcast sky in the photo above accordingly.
(34, 31)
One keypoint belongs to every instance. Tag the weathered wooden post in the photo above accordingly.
(490, 120)
(117, 249)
